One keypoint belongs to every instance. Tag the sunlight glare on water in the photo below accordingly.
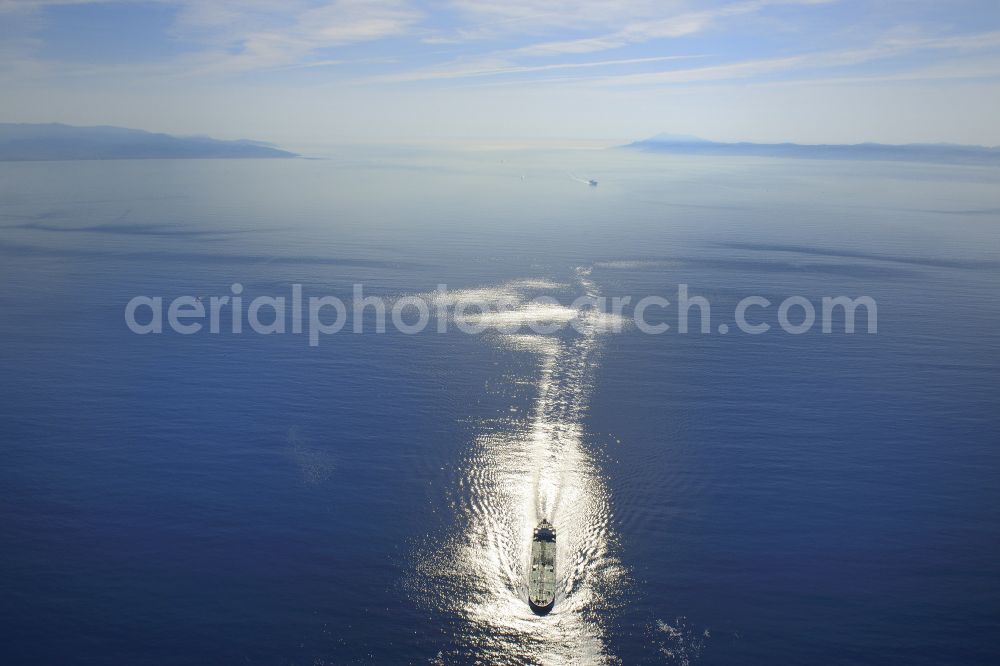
(520, 472)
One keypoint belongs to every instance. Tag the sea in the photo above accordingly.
(719, 496)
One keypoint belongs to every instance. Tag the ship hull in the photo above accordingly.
(542, 575)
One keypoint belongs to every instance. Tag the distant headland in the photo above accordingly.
(913, 152)
(53, 141)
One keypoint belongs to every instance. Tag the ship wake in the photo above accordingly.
(520, 471)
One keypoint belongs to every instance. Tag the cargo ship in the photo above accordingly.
(542, 577)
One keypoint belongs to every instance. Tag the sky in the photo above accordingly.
(302, 72)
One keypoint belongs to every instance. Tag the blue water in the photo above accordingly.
(248, 499)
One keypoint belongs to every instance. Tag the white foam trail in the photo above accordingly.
(512, 306)
(521, 471)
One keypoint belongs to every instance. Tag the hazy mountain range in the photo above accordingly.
(915, 152)
(53, 141)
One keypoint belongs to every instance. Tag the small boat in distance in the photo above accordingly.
(585, 181)
(542, 577)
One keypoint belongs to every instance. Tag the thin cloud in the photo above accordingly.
(262, 34)
(646, 21)
(758, 70)
(334, 24)
(239, 36)
(816, 60)
(493, 69)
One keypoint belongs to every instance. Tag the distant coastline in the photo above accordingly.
(29, 142)
(915, 152)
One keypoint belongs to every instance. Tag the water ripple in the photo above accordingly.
(518, 472)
